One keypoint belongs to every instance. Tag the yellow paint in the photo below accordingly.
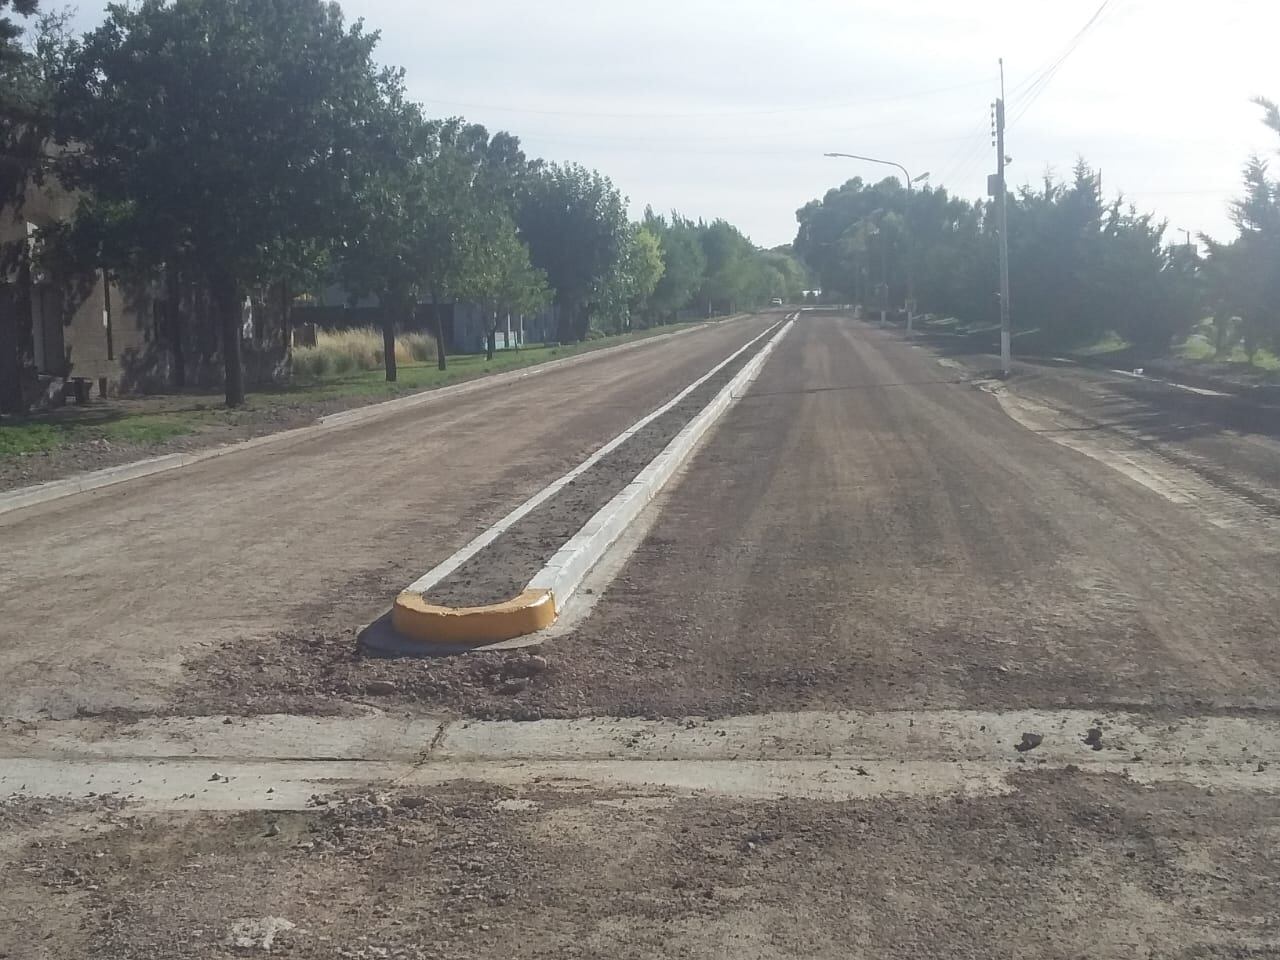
(419, 620)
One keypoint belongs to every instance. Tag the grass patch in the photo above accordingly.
(41, 434)
(1199, 348)
(1110, 342)
(21, 438)
(153, 420)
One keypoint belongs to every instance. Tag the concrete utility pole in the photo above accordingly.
(911, 182)
(1002, 225)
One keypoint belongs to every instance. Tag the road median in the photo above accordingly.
(516, 577)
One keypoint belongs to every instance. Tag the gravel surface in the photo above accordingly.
(217, 427)
(865, 528)
(317, 534)
(1066, 865)
(503, 569)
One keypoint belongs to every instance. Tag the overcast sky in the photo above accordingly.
(725, 107)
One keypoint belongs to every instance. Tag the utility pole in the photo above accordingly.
(884, 276)
(1002, 226)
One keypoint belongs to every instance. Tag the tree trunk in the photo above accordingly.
(10, 355)
(286, 324)
(230, 307)
(442, 360)
(491, 342)
(565, 321)
(389, 308)
(173, 312)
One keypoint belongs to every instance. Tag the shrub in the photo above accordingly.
(340, 352)
(311, 363)
(419, 346)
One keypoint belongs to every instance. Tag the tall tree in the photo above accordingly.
(470, 180)
(503, 280)
(216, 131)
(683, 264)
(20, 113)
(382, 258)
(575, 223)
(643, 269)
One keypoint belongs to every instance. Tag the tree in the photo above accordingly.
(794, 276)
(729, 268)
(643, 269)
(382, 257)
(469, 185)
(504, 280)
(215, 132)
(683, 264)
(22, 101)
(575, 223)
(22, 119)
(1080, 267)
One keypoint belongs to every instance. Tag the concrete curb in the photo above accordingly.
(70, 486)
(430, 627)
(531, 611)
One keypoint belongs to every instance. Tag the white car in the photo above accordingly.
(776, 302)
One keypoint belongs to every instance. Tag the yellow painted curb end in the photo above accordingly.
(415, 618)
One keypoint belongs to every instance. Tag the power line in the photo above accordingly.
(963, 159)
(1031, 93)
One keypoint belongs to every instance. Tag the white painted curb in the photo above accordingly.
(94, 480)
(566, 569)
(458, 558)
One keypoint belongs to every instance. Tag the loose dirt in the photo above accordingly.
(1066, 865)
(864, 529)
(319, 533)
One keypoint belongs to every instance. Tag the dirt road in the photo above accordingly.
(106, 595)
(908, 663)
(870, 528)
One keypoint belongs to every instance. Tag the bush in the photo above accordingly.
(311, 363)
(419, 347)
(339, 352)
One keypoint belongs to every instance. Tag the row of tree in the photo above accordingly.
(237, 146)
(1080, 265)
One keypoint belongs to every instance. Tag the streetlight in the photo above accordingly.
(911, 181)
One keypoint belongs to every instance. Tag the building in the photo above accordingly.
(56, 326)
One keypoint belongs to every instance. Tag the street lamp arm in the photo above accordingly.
(887, 163)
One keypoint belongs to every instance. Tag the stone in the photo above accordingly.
(1029, 742)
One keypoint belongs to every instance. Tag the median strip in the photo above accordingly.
(516, 577)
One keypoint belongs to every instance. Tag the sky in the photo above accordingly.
(724, 108)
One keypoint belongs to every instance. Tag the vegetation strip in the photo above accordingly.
(503, 567)
(27, 496)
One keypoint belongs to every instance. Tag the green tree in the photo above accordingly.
(504, 280)
(23, 106)
(794, 276)
(1247, 272)
(575, 223)
(382, 257)
(728, 274)
(471, 182)
(203, 168)
(644, 269)
(683, 262)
